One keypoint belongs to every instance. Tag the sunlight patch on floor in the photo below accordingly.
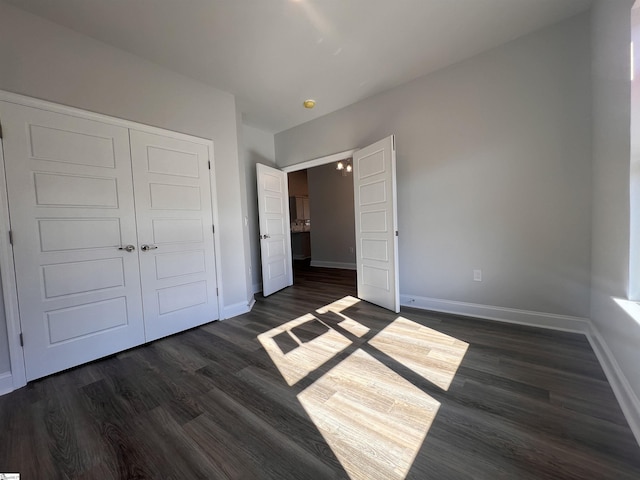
(373, 419)
(429, 353)
(294, 357)
(339, 305)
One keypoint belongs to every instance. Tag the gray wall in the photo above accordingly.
(41, 59)
(332, 217)
(258, 148)
(611, 153)
(494, 172)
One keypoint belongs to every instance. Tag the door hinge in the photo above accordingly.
(213, 228)
(396, 233)
(21, 340)
(217, 294)
(0, 130)
(10, 237)
(209, 164)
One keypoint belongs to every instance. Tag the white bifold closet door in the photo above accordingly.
(78, 229)
(71, 207)
(175, 233)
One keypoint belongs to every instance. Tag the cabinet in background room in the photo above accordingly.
(299, 208)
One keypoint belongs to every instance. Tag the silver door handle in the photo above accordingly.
(265, 236)
(128, 248)
(146, 247)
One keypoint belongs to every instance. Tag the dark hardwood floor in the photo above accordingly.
(349, 391)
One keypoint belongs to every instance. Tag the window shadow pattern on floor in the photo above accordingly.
(356, 383)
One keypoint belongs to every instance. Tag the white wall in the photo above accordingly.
(258, 148)
(494, 172)
(332, 217)
(44, 60)
(611, 169)
(244, 204)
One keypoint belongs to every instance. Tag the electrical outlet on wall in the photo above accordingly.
(351, 250)
(477, 275)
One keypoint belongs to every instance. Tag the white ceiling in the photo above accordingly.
(273, 54)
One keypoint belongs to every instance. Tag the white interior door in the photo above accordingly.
(71, 206)
(175, 232)
(275, 237)
(374, 180)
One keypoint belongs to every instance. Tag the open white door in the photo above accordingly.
(374, 182)
(275, 240)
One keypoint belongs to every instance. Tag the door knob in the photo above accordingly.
(265, 236)
(146, 247)
(128, 248)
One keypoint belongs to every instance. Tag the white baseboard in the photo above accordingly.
(342, 265)
(257, 287)
(6, 383)
(628, 400)
(510, 315)
(233, 310)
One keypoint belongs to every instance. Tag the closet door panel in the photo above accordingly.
(174, 218)
(71, 206)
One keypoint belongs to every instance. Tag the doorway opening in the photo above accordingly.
(323, 222)
(376, 221)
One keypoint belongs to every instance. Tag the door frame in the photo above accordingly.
(335, 157)
(18, 374)
(316, 162)
(17, 377)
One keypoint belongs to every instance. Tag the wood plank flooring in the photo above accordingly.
(293, 390)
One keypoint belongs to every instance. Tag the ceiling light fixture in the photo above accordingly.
(344, 167)
(309, 103)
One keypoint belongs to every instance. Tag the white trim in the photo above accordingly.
(316, 162)
(628, 400)
(9, 286)
(552, 321)
(257, 288)
(6, 383)
(217, 249)
(341, 265)
(230, 311)
(97, 117)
